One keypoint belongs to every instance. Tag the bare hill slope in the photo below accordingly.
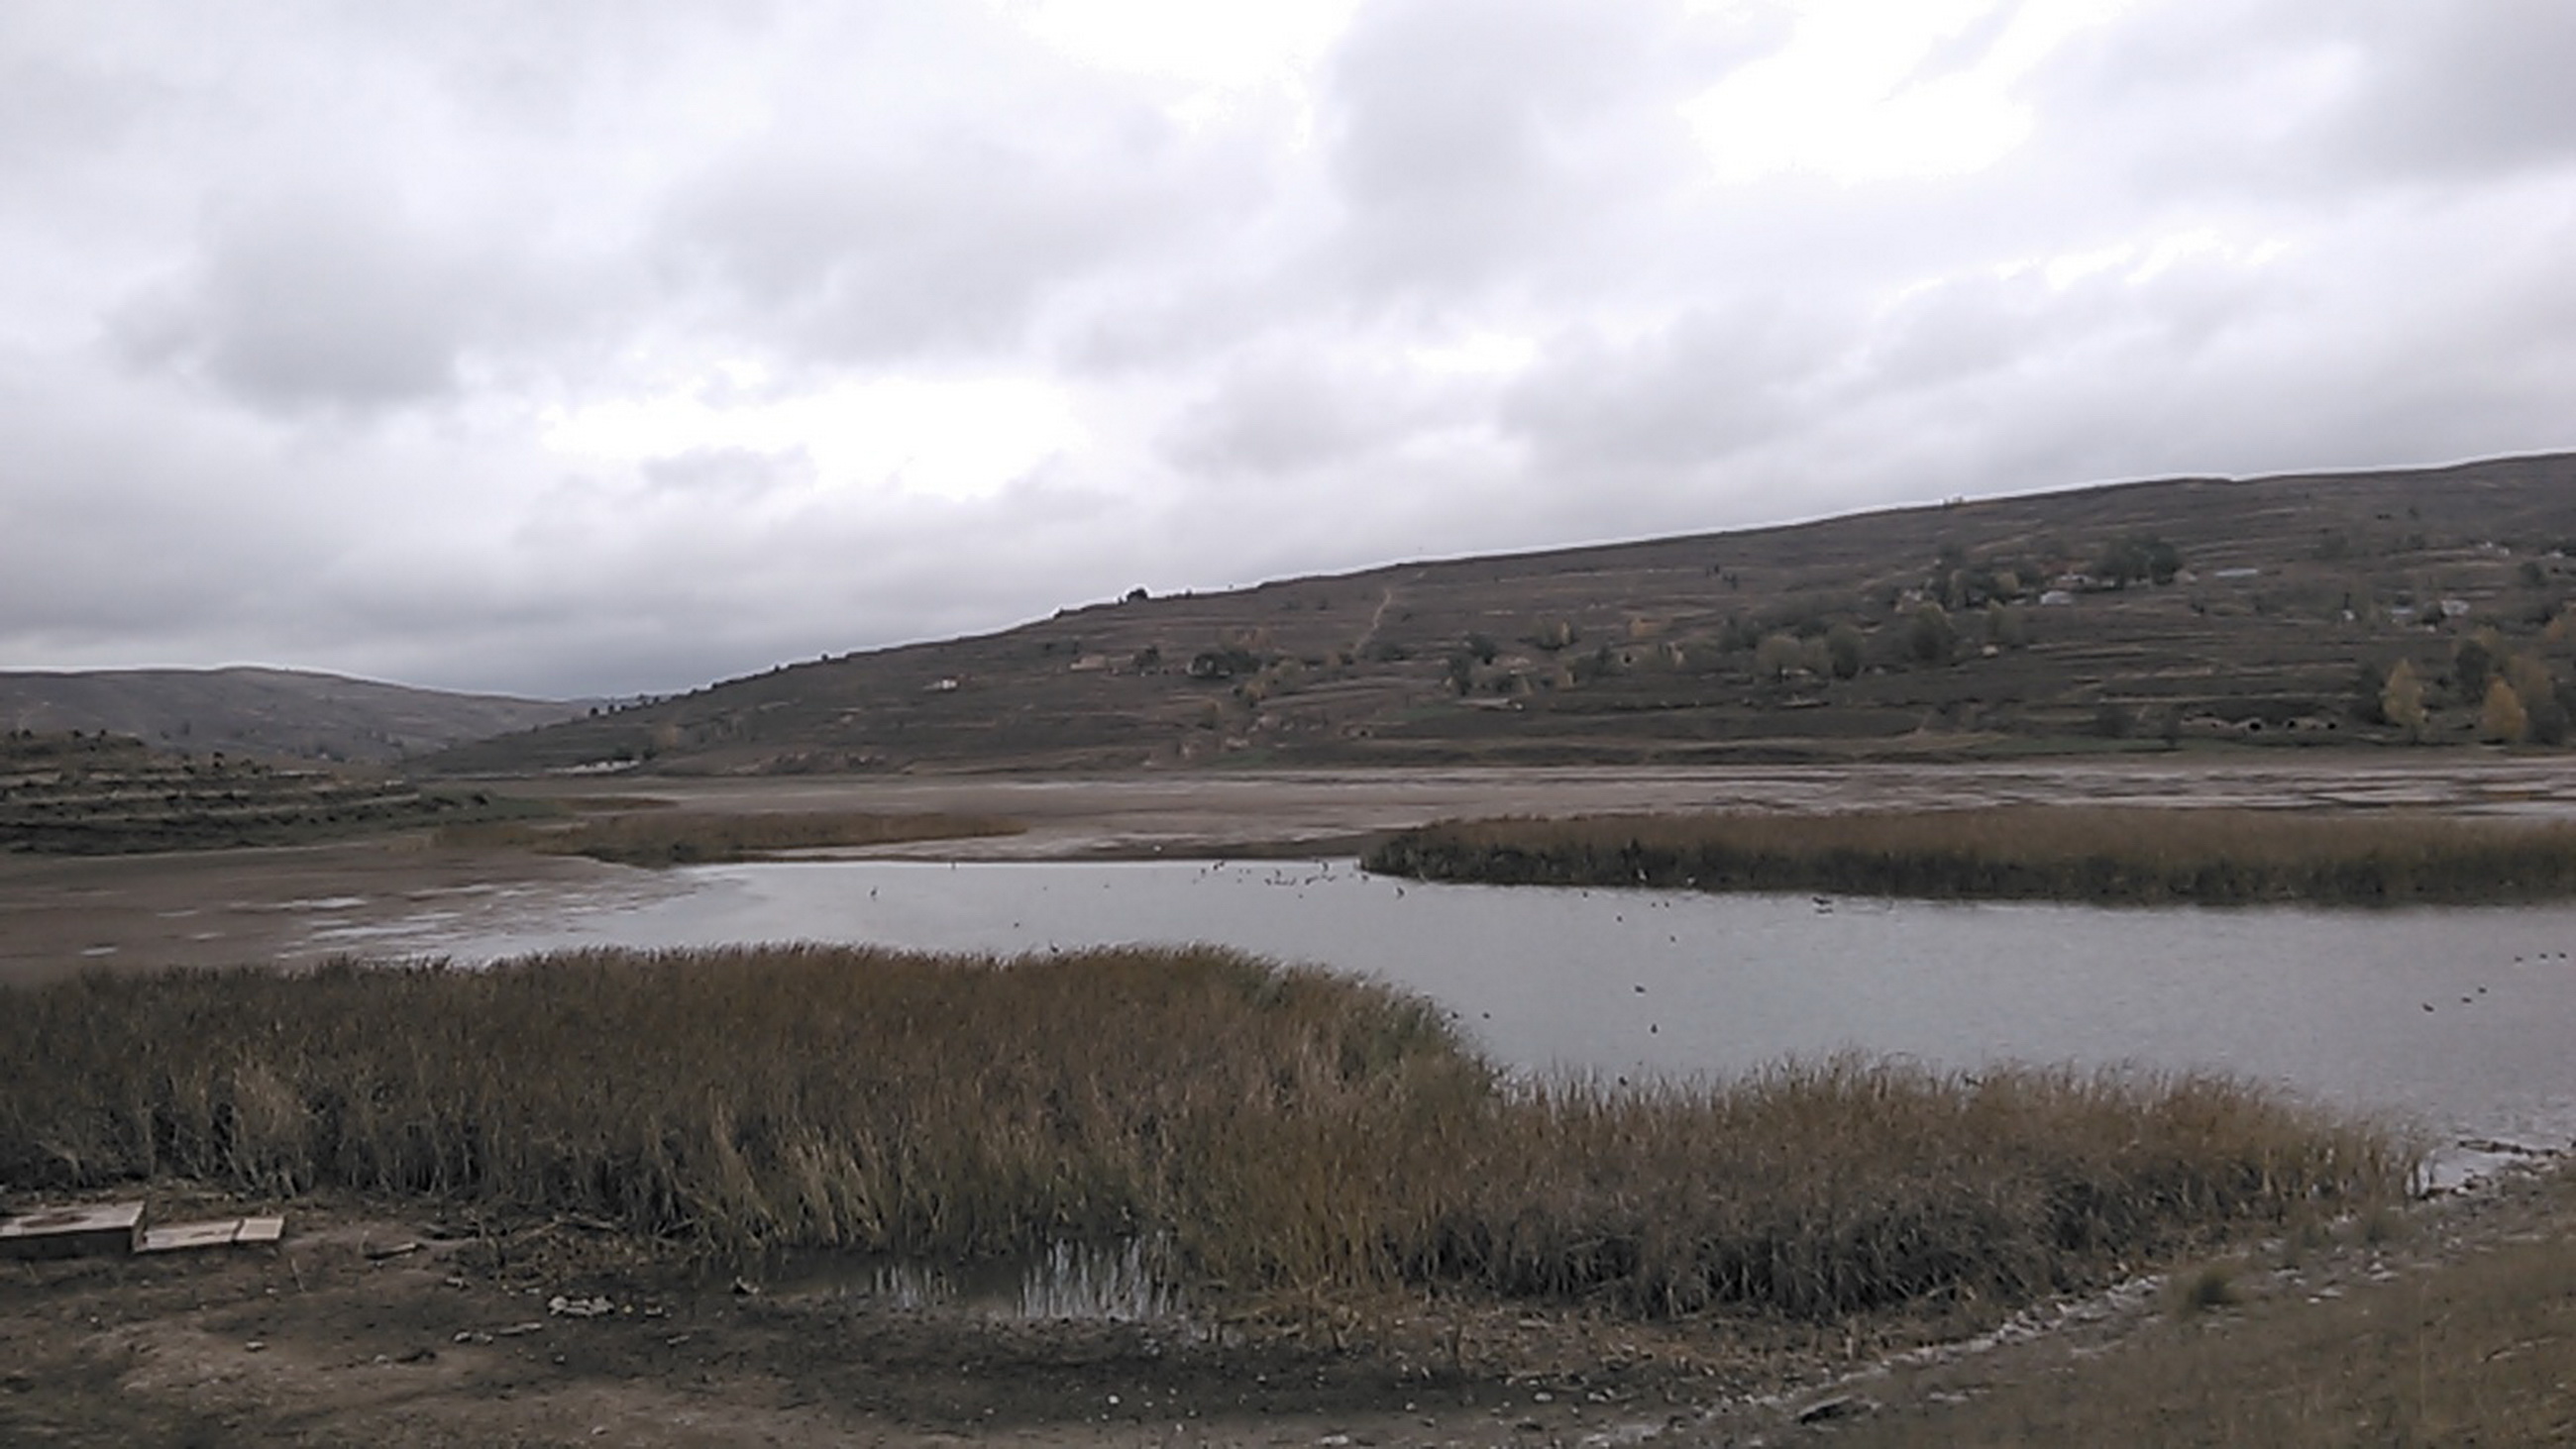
(2131, 616)
(278, 713)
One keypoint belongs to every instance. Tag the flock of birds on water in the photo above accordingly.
(1309, 874)
(2472, 997)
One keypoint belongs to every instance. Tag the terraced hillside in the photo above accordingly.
(102, 794)
(2136, 616)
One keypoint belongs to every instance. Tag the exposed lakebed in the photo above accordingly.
(2454, 1017)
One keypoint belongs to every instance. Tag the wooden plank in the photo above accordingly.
(261, 1230)
(68, 1232)
(180, 1237)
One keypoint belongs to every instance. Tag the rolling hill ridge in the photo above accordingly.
(2171, 613)
(270, 713)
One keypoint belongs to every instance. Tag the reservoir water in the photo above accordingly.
(2458, 1019)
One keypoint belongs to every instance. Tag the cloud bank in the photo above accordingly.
(600, 349)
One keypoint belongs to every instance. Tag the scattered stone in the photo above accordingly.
(1841, 1406)
(519, 1330)
(563, 1307)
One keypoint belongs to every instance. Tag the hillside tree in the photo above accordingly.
(2503, 719)
(2401, 699)
(1843, 650)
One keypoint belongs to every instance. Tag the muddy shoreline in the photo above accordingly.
(298, 906)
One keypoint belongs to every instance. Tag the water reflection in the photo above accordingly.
(1124, 1282)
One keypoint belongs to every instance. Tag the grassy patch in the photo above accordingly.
(2477, 1352)
(700, 837)
(1285, 1129)
(2087, 853)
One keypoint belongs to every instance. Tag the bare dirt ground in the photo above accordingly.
(370, 1325)
(374, 1324)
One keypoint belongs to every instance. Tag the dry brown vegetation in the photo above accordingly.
(2102, 854)
(698, 837)
(2481, 1351)
(1283, 1130)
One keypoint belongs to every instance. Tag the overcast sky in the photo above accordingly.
(585, 347)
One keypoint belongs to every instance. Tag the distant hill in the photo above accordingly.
(2134, 616)
(273, 713)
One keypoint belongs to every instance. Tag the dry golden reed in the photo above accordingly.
(1283, 1128)
(2110, 854)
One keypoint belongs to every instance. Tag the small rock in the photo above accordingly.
(1841, 1406)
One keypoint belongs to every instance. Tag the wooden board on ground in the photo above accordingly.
(179, 1237)
(221, 1233)
(69, 1232)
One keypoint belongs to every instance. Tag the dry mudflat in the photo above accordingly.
(300, 905)
(379, 1323)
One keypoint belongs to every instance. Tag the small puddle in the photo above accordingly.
(1123, 1282)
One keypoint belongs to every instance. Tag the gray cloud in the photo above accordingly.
(488, 347)
(1291, 412)
(2464, 91)
(312, 302)
(1471, 139)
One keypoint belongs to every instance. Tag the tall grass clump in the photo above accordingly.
(2087, 853)
(1285, 1129)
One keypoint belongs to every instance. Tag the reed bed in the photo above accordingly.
(1285, 1129)
(2105, 854)
(703, 837)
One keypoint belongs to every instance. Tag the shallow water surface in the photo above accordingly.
(2455, 1017)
